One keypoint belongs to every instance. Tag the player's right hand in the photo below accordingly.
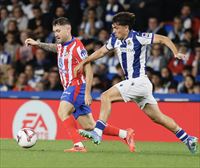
(88, 99)
(31, 42)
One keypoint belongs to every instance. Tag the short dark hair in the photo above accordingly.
(61, 21)
(124, 19)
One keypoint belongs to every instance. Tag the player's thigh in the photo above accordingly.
(87, 122)
(65, 108)
(153, 111)
(113, 94)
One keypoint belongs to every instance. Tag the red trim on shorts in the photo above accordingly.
(77, 91)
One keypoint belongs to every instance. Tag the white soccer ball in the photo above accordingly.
(26, 138)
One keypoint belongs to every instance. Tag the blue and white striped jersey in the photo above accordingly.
(132, 52)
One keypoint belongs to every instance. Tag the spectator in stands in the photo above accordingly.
(196, 88)
(176, 66)
(156, 59)
(103, 36)
(187, 70)
(24, 54)
(11, 45)
(91, 25)
(4, 15)
(188, 38)
(95, 4)
(5, 57)
(73, 13)
(10, 77)
(185, 49)
(59, 12)
(28, 8)
(53, 81)
(13, 3)
(31, 79)
(112, 7)
(40, 23)
(167, 78)
(39, 87)
(186, 16)
(172, 89)
(48, 6)
(18, 15)
(7, 77)
(157, 83)
(188, 86)
(176, 34)
(97, 84)
(12, 28)
(196, 61)
(155, 27)
(112, 62)
(41, 63)
(21, 84)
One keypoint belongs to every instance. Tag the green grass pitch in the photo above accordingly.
(109, 154)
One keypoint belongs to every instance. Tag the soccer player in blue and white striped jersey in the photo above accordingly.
(131, 49)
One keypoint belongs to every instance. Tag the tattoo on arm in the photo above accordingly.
(48, 46)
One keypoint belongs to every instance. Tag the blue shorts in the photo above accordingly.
(75, 95)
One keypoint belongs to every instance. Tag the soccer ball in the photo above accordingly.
(26, 138)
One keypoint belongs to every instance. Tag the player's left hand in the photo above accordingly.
(78, 68)
(180, 56)
(88, 99)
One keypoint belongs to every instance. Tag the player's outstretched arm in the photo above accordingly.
(166, 41)
(94, 56)
(46, 46)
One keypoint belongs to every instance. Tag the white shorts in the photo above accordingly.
(138, 90)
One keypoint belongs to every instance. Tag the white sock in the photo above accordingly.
(79, 144)
(98, 131)
(122, 133)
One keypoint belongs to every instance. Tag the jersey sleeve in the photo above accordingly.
(111, 42)
(145, 38)
(81, 52)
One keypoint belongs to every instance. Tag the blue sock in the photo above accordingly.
(100, 126)
(182, 135)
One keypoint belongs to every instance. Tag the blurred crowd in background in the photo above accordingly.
(33, 69)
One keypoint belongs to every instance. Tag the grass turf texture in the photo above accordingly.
(109, 154)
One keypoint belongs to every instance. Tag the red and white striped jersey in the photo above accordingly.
(69, 56)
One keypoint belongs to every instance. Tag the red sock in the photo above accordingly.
(111, 130)
(72, 129)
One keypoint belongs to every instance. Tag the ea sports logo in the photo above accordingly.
(38, 116)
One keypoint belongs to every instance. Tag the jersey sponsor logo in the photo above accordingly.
(38, 116)
(126, 50)
(60, 63)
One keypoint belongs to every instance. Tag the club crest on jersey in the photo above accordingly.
(146, 35)
(83, 53)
